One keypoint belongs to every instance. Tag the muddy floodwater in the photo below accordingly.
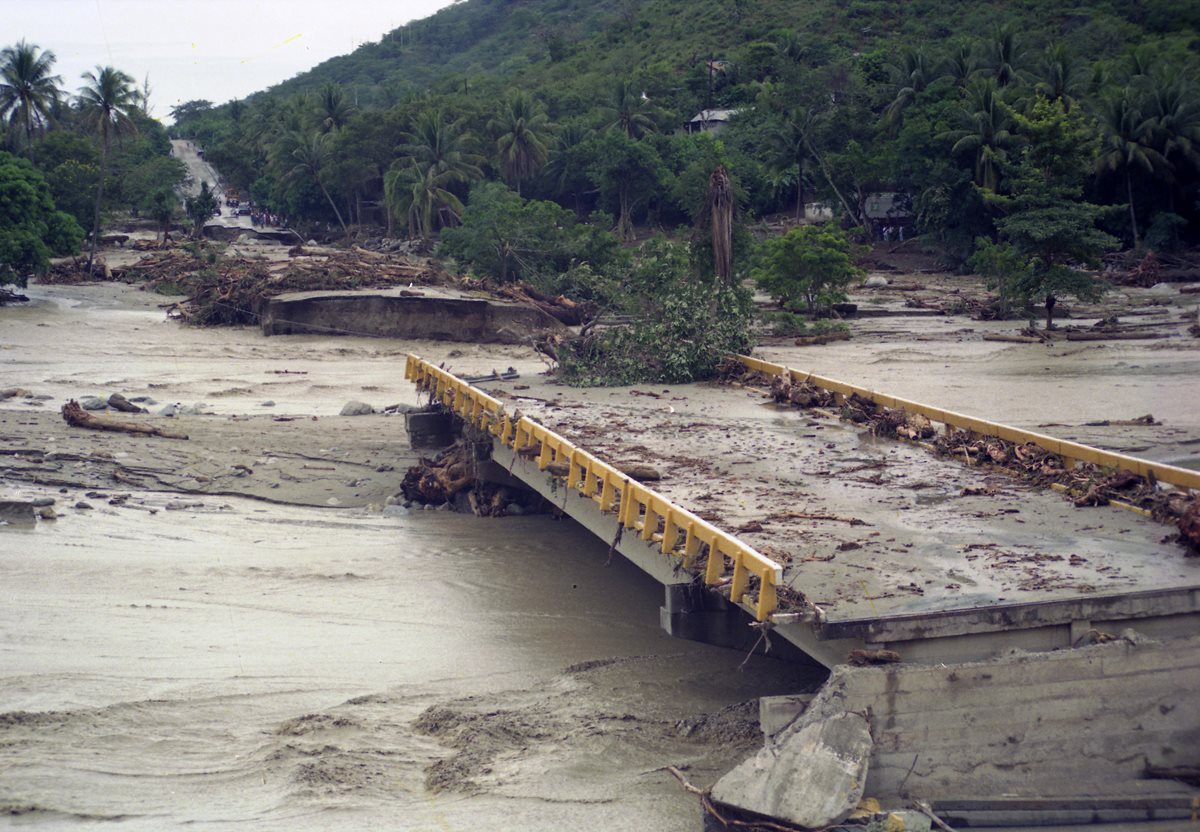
(269, 646)
(222, 662)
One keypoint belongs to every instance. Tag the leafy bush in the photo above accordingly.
(810, 263)
(31, 229)
(683, 325)
(509, 238)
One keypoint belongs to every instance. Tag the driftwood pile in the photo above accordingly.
(235, 291)
(567, 311)
(1086, 484)
(451, 478)
(1132, 269)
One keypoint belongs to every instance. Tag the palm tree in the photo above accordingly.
(334, 109)
(1005, 57)
(960, 64)
(629, 112)
(420, 195)
(28, 91)
(562, 168)
(789, 143)
(913, 72)
(432, 141)
(1173, 113)
(104, 104)
(1060, 78)
(986, 132)
(308, 156)
(521, 126)
(1128, 144)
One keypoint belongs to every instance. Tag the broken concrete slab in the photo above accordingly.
(778, 712)
(428, 312)
(812, 775)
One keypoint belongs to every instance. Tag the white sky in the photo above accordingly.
(213, 49)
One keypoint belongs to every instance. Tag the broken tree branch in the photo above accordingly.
(76, 416)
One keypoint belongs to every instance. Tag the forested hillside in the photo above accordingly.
(836, 100)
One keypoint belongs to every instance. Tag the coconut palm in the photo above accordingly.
(913, 71)
(334, 109)
(563, 170)
(1006, 58)
(432, 141)
(790, 147)
(986, 133)
(305, 157)
(629, 111)
(420, 195)
(960, 64)
(521, 126)
(1059, 78)
(1128, 146)
(104, 104)
(28, 91)
(1173, 114)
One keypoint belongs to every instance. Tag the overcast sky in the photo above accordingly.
(213, 49)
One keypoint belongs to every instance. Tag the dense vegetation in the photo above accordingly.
(83, 155)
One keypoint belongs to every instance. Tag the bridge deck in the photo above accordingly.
(894, 543)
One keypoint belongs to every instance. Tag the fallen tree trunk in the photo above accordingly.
(76, 416)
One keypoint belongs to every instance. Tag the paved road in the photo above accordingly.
(201, 171)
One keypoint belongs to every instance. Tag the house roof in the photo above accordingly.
(707, 116)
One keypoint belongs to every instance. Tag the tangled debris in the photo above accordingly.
(454, 479)
(235, 291)
(1086, 484)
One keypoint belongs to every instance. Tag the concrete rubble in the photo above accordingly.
(812, 774)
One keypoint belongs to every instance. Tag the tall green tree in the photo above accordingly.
(913, 70)
(628, 112)
(104, 103)
(521, 129)
(421, 196)
(810, 264)
(1128, 147)
(304, 159)
(28, 91)
(31, 229)
(627, 173)
(1046, 220)
(789, 145)
(986, 133)
(333, 107)
(433, 140)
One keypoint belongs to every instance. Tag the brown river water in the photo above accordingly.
(235, 663)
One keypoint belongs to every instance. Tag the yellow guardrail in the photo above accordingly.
(676, 531)
(1071, 452)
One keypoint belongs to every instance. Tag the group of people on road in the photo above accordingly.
(266, 218)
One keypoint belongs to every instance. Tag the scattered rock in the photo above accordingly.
(355, 408)
(84, 506)
(267, 403)
(118, 402)
(876, 281)
(16, 511)
(14, 392)
(42, 502)
(47, 513)
(93, 403)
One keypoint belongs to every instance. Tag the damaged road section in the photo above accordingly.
(1099, 733)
